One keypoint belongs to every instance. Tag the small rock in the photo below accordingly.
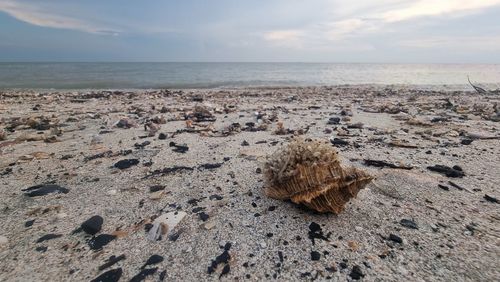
(356, 273)
(245, 143)
(162, 136)
(395, 238)
(315, 255)
(92, 225)
(124, 164)
(408, 223)
(44, 189)
(203, 216)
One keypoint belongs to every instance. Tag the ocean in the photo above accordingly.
(223, 75)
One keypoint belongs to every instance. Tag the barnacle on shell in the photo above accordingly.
(309, 172)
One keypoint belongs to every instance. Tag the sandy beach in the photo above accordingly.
(168, 185)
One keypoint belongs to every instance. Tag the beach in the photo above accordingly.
(191, 162)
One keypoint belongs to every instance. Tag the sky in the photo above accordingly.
(344, 31)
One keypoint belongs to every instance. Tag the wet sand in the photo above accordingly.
(195, 157)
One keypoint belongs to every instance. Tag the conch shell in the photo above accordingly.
(308, 172)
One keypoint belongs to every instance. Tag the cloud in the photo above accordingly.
(425, 8)
(42, 16)
(370, 19)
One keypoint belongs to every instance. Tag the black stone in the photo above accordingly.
(29, 223)
(178, 148)
(44, 189)
(112, 275)
(245, 143)
(41, 249)
(48, 237)
(124, 164)
(444, 187)
(154, 259)
(339, 142)
(408, 223)
(203, 216)
(216, 197)
(97, 242)
(92, 225)
(455, 171)
(142, 145)
(334, 120)
(395, 238)
(210, 166)
(356, 273)
(466, 141)
(315, 255)
(156, 188)
(162, 136)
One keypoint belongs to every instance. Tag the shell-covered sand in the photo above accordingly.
(203, 181)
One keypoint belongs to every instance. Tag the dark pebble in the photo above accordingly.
(203, 216)
(408, 223)
(446, 188)
(29, 223)
(41, 249)
(395, 238)
(112, 275)
(216, 197)
(92, 225)
(315, 255)
(339, 142)
(156, 188)
(245, 143)
(162, 136)
(124, 164)
(356, 273)
(44, 189)
(454, 171)
(178, 148)
(466, 141)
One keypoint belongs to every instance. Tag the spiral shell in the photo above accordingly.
(308, 172)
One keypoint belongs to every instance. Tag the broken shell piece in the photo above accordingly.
(165, 223)
(309, 172)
